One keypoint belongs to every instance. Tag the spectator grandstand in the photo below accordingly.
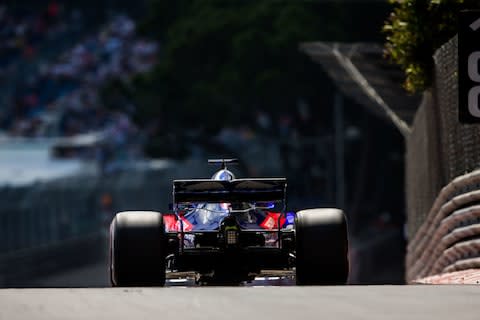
(60, 97)
(52, 69)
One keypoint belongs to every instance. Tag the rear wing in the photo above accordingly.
(239, 190)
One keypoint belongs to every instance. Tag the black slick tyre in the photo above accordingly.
(137, 249)
(321, 242)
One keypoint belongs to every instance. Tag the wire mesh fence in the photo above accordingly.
(48, 213)
(47, 227)
(439, 147)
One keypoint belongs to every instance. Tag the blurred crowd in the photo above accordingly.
(21, 32)
(113, 54)
(61, 97)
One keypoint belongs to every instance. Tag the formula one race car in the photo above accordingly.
(226, 230)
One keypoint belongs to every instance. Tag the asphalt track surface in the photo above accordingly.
(265, 298)
(258, 302)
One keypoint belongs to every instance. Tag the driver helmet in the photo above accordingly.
(224, 174)
(213, 212)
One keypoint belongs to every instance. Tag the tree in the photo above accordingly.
(415, 30)
(221, 61)
(229, 58)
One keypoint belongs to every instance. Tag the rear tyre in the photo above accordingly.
(137, 249)
(321, 247)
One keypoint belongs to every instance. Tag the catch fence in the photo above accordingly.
(442, 180)
(49, 226)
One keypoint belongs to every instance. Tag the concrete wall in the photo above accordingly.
(442, 179)
(439, 147)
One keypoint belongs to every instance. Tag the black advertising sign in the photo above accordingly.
(469, 67)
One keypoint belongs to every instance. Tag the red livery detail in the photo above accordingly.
(173, 225)
(271, 221)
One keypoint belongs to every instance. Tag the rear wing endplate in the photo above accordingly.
(238, 190)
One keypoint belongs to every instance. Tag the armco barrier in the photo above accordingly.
(449, 238)
(48, 227)
(17, 269)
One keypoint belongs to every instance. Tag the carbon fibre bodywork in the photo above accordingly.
(225, 230)
(220, 231)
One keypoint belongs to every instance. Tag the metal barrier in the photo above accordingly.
(51, 226)
(43, 215)
(18, 268)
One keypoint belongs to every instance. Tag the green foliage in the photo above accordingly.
(229, 58)
(415, 29)
(222, 61)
